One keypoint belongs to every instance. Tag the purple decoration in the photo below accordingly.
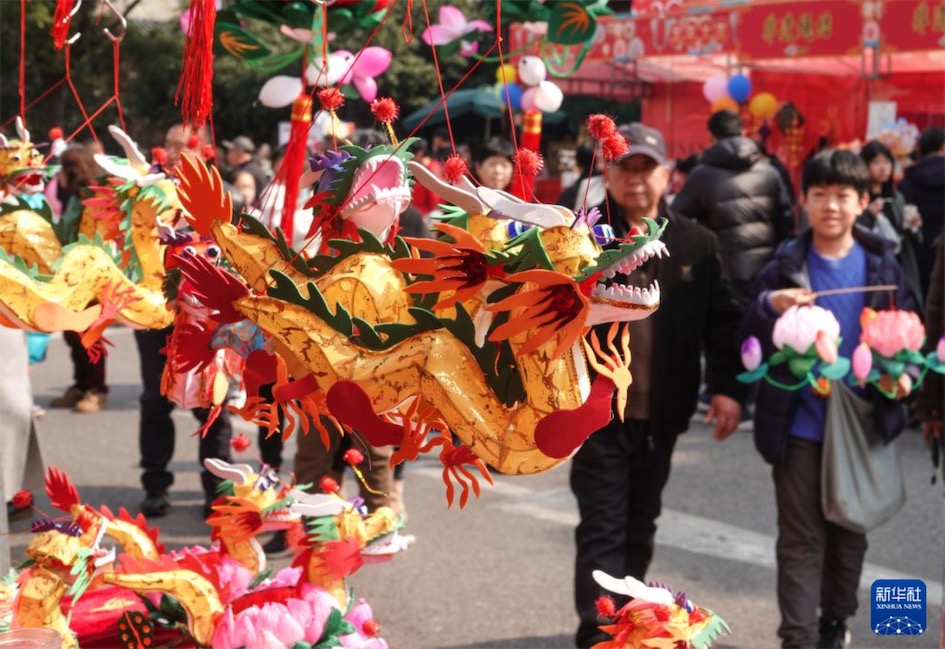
(589, 217)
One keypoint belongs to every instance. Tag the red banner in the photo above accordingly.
(787, 30)
(911, 25)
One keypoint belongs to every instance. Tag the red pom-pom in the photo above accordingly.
(601, 126)
(614, 146)
(328, 485)
(159, 155)
(385, 110)
(193, 142)
(208, 152)
(331, 98)
(371, 628)
(528, 162)
(55, 133)
(454, 168)
(605, 606)
(240, 443)
(353, 456)
(22, 499)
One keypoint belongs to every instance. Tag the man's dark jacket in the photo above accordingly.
(775, 408)
(697, 312)
(923, 185)
(738, 195)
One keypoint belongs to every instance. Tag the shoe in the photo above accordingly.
(90, 402)
(834, 634)
(277, 546)
(72, 396)
(155, 504)
(746, 425)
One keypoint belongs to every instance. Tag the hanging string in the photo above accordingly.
(505, 81)
(22, 88)
(78, 99)
(116, 66)
(406, 28)
(35, 101)
(439, 79)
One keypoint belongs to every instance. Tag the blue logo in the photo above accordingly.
(897, 607)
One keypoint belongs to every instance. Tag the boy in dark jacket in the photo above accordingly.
(819, 563)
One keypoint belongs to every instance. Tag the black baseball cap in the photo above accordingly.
(241, 143)
(643, 141)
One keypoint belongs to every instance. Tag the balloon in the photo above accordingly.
(549, 97)
(531, 71)
(739, 87)
(528, 98)
(715, 87)
(725, 103)
(763, 105)
(511, 94)
(280, 91)
(506, 73)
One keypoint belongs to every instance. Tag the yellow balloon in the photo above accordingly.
(763, 105)
(509, 76)
(724, 103)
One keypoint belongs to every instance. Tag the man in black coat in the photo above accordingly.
(739, 195)
(619, 473)
(923, 185)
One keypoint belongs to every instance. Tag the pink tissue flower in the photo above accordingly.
(890, 332)
(826, 347)
(862, 361)
(751, 353)
(798, 327)
(940, 350)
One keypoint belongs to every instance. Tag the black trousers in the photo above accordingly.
(86, 375)
(819, 563)
(618, 477)
(156, 428)
(270, 446)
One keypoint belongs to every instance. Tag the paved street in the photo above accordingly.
(498, 574)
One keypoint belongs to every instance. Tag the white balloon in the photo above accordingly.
(338, 64)
(528, 98)
(549, 97)
(531, 71)
(280, 91)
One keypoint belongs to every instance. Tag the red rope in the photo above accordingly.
(78, 99)
(439, 78)
(35, 101)
(22, 88)
(116, 67)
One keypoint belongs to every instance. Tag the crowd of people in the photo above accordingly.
(745, 247)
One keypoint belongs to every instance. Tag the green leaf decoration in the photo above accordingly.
(755, 375)
(226, 488)
(891, 367)
(260, 578)
(932, 362)
(301, 645)
(570, 23)
(778, 357)
(238, 42)
(837, 371)
(322, 529)
(801, 365)
(335, 627)
(531, 253)
(716, 628)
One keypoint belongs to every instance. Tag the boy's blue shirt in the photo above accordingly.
(826, 274)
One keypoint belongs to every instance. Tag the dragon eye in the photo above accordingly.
(190, 250)
(603, 233)
(36, 154)
(16, 157)
(517, 228)
(213, 252)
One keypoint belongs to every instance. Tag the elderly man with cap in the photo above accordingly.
(240, 156)
(619, 473)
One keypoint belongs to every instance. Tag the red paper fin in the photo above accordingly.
(561, 433)
(296, 390)
(341, 558)
(350, 405)
(62, 493)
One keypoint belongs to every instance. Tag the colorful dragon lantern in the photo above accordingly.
(22, 167)
(485, 342)
(114, 272)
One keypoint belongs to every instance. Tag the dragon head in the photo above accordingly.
(22, 168)
(251, 503)
(369, 188)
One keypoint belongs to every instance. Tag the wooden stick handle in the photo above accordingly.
(856, 289)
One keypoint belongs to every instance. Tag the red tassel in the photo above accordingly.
(61, 20)
(294, 162)
(195, 86)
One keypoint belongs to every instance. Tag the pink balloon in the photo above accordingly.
(528, 98)
(715, 88)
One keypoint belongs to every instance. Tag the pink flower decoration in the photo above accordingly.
(826, 348)
(751, 353)
(940, 350)
(862, 361)
(452, 25)
(891, 332)
(798, 327)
